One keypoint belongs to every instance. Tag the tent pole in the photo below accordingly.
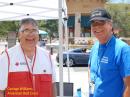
(60, 50)
(67, 47)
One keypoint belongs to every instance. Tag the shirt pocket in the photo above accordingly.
(45, 85)
(108, 68)
(19, 79)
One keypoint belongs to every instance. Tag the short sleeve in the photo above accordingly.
(125, 62)
(92, 72)
(90, 56)
(89, 61)
(3, 71)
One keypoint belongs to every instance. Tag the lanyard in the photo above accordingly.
(32, 62)
(32, 77)
(99, 58)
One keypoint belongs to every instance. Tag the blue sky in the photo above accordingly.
(120, 1)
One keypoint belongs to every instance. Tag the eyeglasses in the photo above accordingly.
(28, 31)
(98, 23)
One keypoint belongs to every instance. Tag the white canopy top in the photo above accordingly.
(37, 9)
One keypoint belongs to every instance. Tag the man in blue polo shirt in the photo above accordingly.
(109, 60)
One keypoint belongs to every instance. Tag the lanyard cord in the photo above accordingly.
(31, 74)
(27, 61)
(101, 56)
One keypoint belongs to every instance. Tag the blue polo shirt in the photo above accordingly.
(109, 64)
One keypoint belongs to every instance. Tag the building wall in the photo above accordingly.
(80, 8)
(83, 6)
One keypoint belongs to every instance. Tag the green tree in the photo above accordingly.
(121, 17)
(7, 26)
(51, 26)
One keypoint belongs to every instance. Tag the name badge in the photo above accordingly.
(91, 87)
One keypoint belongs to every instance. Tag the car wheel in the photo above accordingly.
(71, 62)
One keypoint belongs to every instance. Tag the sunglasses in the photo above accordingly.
(98, 23)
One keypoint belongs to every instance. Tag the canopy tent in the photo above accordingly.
(37, 9)
(43, 32)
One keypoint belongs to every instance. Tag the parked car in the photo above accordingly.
(77, 57)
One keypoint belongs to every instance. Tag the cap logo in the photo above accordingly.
(97, 14)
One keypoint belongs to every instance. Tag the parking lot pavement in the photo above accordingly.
(78, 76)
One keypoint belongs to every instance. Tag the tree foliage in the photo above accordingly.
(121, 17)
(51, 26)
(8, 26)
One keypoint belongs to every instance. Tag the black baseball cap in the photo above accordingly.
(99, 14)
